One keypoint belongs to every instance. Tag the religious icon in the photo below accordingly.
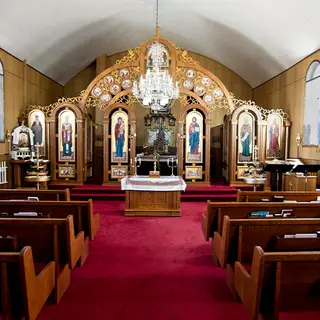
(118, 172)
(36, 121)
(193, 172)
(245, 136)
(194, 135)
(274, 135)
(164, 58)
(24, 141)
(89, 141)
(119, 136)
(66, 171)
(67, 125)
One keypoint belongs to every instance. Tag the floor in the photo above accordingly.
(148, 268)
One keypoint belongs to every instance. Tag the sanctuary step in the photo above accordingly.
(215, 192)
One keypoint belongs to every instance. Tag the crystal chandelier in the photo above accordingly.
(156, 89)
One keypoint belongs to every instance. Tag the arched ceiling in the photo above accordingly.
(257, 39)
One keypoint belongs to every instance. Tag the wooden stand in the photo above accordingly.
(292, 182)
(153, 203)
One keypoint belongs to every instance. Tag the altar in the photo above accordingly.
(154, 197)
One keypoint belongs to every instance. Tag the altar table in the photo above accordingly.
(154, 197)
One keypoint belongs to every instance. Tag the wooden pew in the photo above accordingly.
(51, 240)
(256, 196)
(23, 292)
(240, 236)
(279, 281)
(82, 211)
(43, 195)
(213, 218)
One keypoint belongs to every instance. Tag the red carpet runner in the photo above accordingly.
(148, 268)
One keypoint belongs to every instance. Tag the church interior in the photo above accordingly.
(160, 159)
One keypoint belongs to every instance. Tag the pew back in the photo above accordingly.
(240, 236)
(47, 237)
(212, 220)
(82, 211)
(44, 195)
(256, 196)
(279, 281)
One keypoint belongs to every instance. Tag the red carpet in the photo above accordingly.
(149, 268)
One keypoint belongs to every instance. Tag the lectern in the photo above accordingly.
(274, 175)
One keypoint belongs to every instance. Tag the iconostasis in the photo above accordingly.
(253, 134)
(65, 129)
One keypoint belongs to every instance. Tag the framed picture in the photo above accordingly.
(37, 124)
(246, 136)
(164, 59)
(153, 133)
(194, 137)
(119, 136)
(193, 172)
(67, 171)
(274, 129)
(89, 137)
(66, 133)
(241, 172)
(118, 172)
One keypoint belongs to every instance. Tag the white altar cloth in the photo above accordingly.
(144, 183)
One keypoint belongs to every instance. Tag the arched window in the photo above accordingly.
(1, 102)
(311, 128)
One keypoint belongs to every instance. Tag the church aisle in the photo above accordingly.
(147, 268)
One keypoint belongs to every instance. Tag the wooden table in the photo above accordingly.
(153, 197)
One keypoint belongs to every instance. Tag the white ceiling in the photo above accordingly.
(257, 39)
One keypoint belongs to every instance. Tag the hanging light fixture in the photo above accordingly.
(156, 89)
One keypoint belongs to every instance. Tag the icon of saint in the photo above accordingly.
(37, 130)
(67, 137)
(119, 132)
(194, 136)
(245, 136)
(274, 137)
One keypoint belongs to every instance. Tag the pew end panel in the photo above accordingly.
(51, 240)
(34, 284)
(276, 285)
(23, 293)
(93, 220)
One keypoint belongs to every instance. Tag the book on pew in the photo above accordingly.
(264, 200)
(33, 199)
(301, 235)
(278, 198)
(259, 213)
(25, 214)
(306, 235)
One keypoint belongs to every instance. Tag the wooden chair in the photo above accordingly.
(300, 196)
(51, 240)
(23, 292)
(82, 211)
(43, 195)
(279, 281)
(212, 220)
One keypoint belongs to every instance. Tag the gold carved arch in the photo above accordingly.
(194, 81)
